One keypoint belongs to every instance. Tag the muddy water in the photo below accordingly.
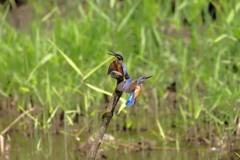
(59, 147)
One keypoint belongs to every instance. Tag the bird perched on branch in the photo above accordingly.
(134, 88)
(118, 65)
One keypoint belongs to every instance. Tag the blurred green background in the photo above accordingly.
(53, 59)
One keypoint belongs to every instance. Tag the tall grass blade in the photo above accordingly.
(112, 3)
(233, 12)
(198, 110)
(217, 66)
(213, 117)
(143, 40)
(219, 38)
(177, 143)
(160, 129)
(126, 18)
(3, 93)
(102, 91)
(76, 90)
(70, 121)
(39, 145)
(29, 115)
(86, 100)
(52, 115)
(71, 63)
(48, 16)
(84, 127)
(96, 68)
(38, 95)
(25, 89)
(156, 35)
(237, 154)
(98, 89)
(3, 17)
(183, 113)
(122, 107)
(216, 103)
(44, 60)
(100, 12)
(48, 93)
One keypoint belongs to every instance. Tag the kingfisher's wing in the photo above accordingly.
(131, 87)
(125, 72)
(112, 67)
(120, 67)
(131, 100)
(125, 86)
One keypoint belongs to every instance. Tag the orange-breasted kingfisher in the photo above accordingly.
(134, 88)
(118, 65)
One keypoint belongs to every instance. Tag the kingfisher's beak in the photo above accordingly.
(113, 53)
(148, 77)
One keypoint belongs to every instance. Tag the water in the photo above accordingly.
(57, 148)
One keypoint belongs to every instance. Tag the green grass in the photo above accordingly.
(60, 63)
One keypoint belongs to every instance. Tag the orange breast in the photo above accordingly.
(137, 91)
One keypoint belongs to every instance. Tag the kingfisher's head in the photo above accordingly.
(142, 79)
(117, 55)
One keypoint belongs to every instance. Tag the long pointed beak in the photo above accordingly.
(148, 77)
(113, 53)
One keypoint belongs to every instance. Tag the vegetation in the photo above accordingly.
(58, 64)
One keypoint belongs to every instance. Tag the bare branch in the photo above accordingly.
(106, 117)
(16, 120)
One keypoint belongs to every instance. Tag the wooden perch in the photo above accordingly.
(106, 117)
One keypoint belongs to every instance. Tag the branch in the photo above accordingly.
(106, 117)
(16, 120)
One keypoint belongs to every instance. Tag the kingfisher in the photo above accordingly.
(134, 88)
(118, 65)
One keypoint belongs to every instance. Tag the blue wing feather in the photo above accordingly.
(130, 100)
(125, 86)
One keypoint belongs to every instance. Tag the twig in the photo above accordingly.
(16, 120)
(106, 117)
(9, 126)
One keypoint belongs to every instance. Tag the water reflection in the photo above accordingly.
(57, 147)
